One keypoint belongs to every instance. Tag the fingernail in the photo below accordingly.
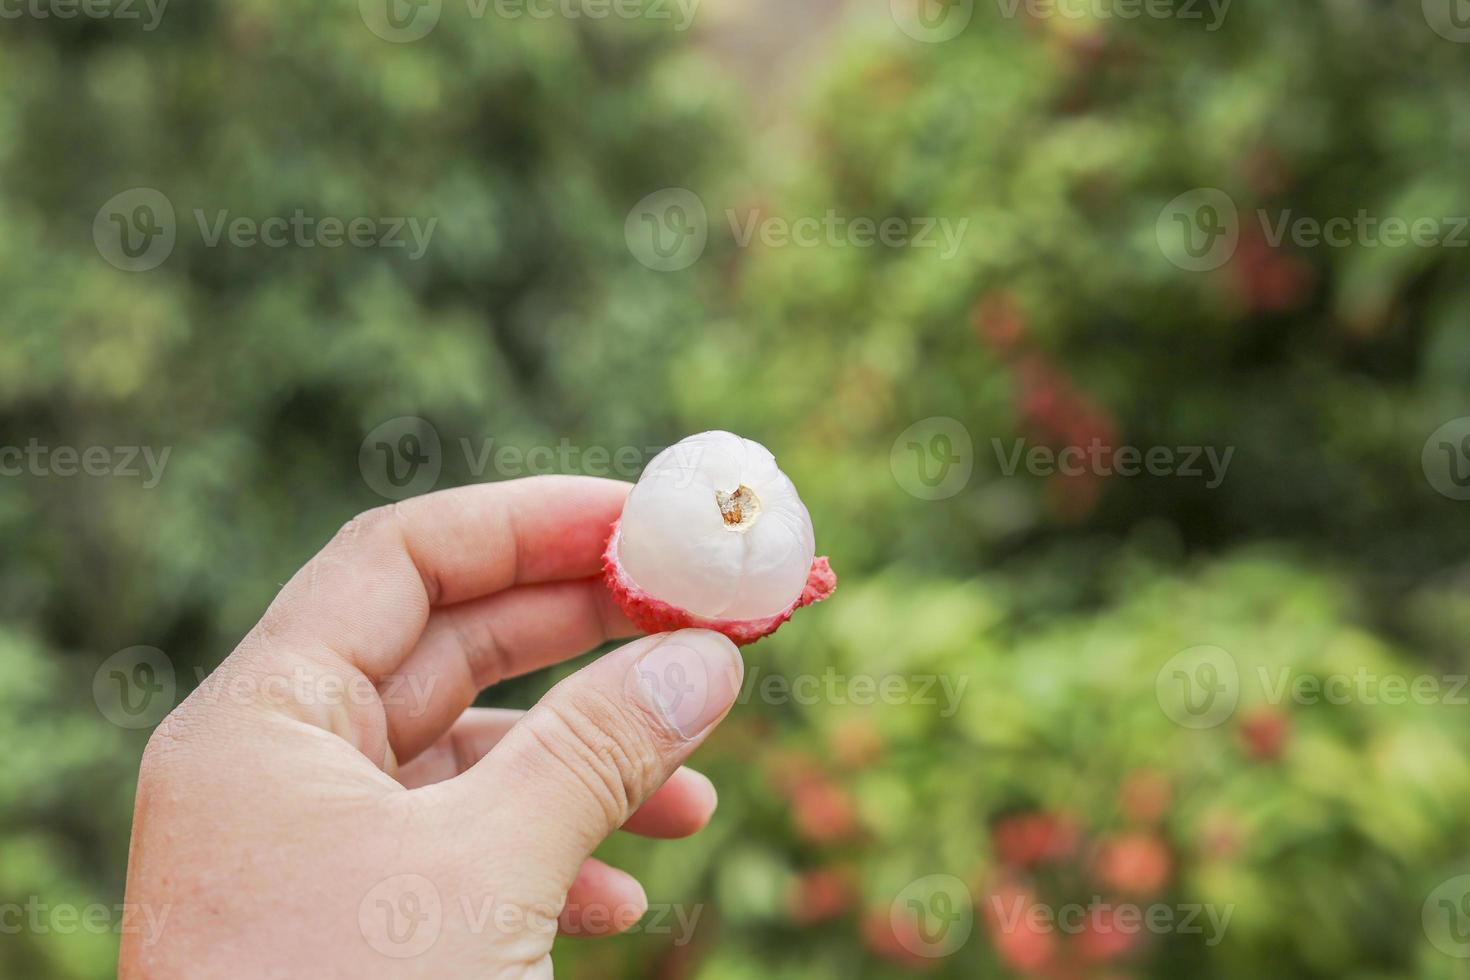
(689, 680)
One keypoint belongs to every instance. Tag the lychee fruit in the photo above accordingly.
(1265, 733)
(714, 536)
(1035, 837)
(822, 894)
(1145, 796)
(1134, 864)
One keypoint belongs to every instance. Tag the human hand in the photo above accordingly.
(327, 803)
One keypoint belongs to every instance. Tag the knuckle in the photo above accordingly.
(534, 965)
(365, 524)
(159, 750)
(607, 750)
(382, 531)
(167, 747)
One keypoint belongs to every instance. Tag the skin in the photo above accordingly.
(328, 804)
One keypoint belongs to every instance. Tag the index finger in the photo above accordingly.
(367, 595)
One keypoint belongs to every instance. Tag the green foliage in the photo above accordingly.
(1048, 606)
(1061, 141)
(1317, 860)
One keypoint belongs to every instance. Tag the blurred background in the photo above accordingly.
(1119, 350)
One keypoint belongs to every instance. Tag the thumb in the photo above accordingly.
(580, 762)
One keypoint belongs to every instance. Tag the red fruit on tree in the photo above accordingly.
(1102, 938)
(1264, 733)
(880, 937)
(856, 743)
(823, 812)
(1027, 839)
(821, 895)
(1145, 796)
(1136, 864)
(1025, 942)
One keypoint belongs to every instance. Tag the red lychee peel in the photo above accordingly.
(656, 616)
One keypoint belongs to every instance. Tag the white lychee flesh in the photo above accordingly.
(715, 528)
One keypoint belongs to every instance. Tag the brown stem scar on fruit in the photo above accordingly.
(739, 509)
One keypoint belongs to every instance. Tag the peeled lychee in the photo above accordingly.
(715, 536)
